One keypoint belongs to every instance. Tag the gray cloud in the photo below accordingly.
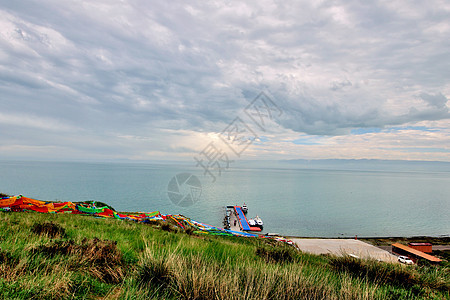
(136, 68)
(438, 101)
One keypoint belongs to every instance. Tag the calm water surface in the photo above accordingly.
(302, 202)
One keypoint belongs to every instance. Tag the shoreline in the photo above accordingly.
(376, 241)
(387, 241)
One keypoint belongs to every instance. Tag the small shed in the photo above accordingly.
(424, 247)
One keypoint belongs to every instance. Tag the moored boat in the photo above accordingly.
(259, 222)
(244, 208)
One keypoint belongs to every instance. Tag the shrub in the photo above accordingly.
(156, 272)
(101, 258)
(375, 271)
(275, 254)
(7, 258)
(189, 230)
(55, 248)
(166, 227)
(50, 229)
(384, 273)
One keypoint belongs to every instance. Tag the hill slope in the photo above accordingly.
(75, 256)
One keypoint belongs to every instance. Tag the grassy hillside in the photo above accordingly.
(49, 256)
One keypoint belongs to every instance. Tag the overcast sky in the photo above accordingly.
(160, 80)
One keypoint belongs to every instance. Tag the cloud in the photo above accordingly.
(102, 71)
(438, 101)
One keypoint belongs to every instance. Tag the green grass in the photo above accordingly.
(57, 256)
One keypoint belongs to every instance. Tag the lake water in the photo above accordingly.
(333, 201)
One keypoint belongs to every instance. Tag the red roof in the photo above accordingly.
(420, 244)
(417, 252)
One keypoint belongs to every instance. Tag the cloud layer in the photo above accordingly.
(159, 80)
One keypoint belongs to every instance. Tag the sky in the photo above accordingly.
(168, 80)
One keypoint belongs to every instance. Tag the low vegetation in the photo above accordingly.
(50, 229)
(58, 256)
(418, 280)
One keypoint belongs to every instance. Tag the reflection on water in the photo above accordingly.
(303, 202)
